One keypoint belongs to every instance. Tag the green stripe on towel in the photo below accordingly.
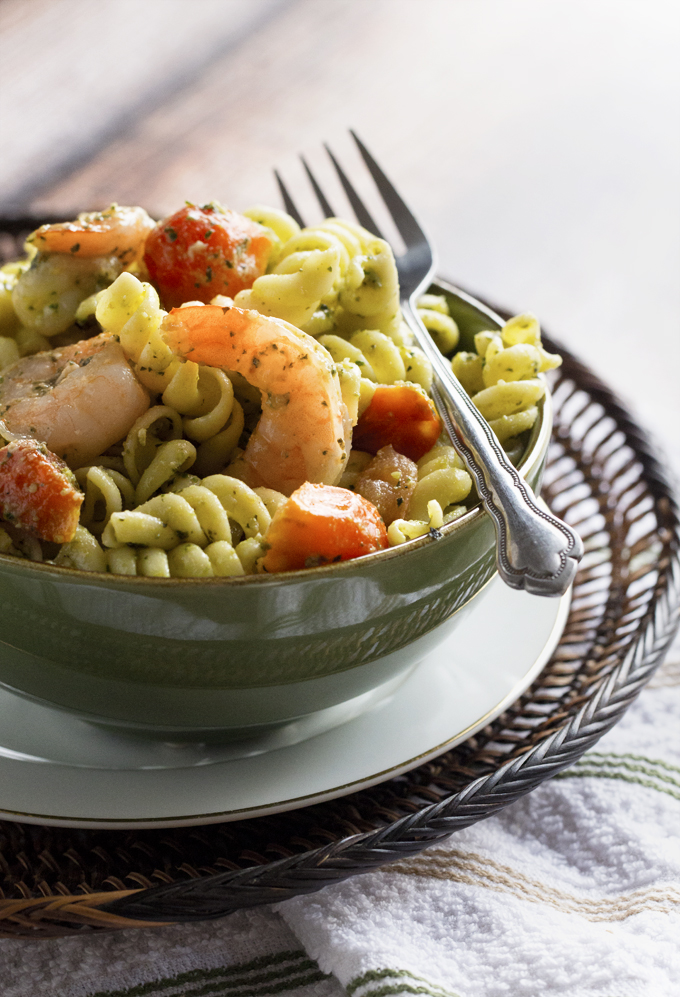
(272, 974)
(397, 987)
(625, 758)
(635, 769)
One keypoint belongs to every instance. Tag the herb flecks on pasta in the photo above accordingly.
(442, 486)
(234, 394)
(502, 374)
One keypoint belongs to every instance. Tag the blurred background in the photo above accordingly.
(537, 142)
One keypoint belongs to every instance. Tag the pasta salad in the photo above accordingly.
(221, 394)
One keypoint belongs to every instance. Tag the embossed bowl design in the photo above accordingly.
(237, 657)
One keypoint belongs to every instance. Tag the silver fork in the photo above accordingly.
(534, 550)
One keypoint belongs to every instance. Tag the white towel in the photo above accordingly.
(573, 891)
(246, 954)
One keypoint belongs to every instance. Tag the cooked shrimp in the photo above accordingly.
(304, 431)
(78, 400)
(118, 231)
(74, 261)
(47, 296)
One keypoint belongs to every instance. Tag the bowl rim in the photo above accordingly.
(534, 453)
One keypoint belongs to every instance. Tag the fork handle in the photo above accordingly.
(534, 550)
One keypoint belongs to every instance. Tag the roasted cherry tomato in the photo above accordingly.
(38, 492)
(200, 252)
(322, 524)
(400, 414)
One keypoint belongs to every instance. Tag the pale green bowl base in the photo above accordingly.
(287, 713)
(258, 738)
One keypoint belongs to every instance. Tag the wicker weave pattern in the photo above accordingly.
(603, 478)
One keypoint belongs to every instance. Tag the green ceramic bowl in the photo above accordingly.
(236, 657)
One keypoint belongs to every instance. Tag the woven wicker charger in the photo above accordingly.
(603, 478)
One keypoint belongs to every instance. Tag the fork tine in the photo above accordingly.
(320, 196)
(363, 217)
(288, 201)
(408, 227)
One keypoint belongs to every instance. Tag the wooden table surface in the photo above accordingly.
(538, 142)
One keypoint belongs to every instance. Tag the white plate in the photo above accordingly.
(57, 770)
